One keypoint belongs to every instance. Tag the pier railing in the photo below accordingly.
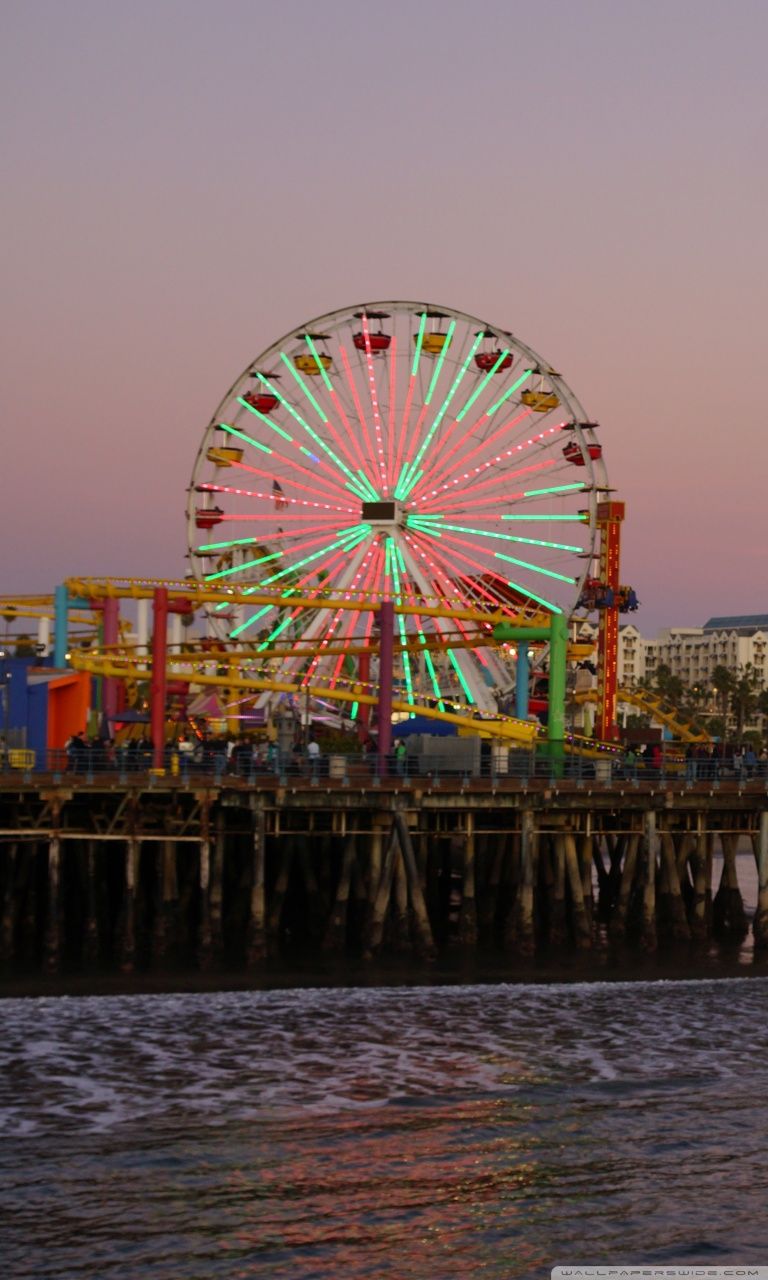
(92, 765)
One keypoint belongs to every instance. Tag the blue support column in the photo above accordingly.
(61, 625)
(522, 678)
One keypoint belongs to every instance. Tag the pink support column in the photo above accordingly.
(111, 628)
(158, 685)
(386, 678)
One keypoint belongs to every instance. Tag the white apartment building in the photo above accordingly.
(692, 653)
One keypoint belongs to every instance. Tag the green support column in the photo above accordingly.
(557, 635)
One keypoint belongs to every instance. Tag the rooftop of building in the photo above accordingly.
(746, 624)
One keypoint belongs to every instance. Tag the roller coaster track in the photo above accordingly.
(659, 708)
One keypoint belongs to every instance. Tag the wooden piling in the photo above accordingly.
(166, 900)
(760, 846)
(424, 939)
(204, 937)
(729, 919)
(91, 933)
(524, 933)
(52, 944)
(580, 922)
(10, 903)
(257, 941)
(617, 921)
(671, 907)
(335, 935)
(128, 924)
(468, 909)
(648, 938)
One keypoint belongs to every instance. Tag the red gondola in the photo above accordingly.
(573, 453)
(207, 517)
(261, 401)
(485, 360)
(379, 341)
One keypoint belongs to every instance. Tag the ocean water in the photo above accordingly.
(418, 1133)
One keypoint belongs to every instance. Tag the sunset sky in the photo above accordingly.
(185, 181)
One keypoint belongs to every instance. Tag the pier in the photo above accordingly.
(119, 874)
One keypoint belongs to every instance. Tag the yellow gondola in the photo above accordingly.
(433, 343)
(540, 401)
(307, 364)
(223, 455)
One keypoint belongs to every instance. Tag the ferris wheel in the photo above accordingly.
(395, 450)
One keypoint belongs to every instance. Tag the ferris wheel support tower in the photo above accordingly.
(609, 520)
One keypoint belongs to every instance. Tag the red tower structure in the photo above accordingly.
(609, 518)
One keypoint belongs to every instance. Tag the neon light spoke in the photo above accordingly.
(482, 385)
(242, 435)
(335, 398)
(442, 469)
(411, 388)
(410, 481)
(322, 415)
(375, 406)
(534, 568)
(392, 404)
(360, 416)
(273, 390)
(270, 497)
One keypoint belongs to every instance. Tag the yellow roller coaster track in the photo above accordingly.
(661, 710)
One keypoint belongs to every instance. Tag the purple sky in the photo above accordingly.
(183, 182)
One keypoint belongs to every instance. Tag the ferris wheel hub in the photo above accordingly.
(385, 515)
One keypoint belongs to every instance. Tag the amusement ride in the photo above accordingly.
(393, 508)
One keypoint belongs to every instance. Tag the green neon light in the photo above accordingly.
(439, 361)
(539, 542)
(351, 540)
(364, 479)
(318, 439)
(543, 517)
(425, 528)
(419, 340)
(525, 564)
(481, 533)
(460, 674)
(539, 599)
(353, 712)
(274, 634)
(433, 676)
(298, 379)
(262, 417)
(242, 436)
(238, 568)
(412, 480)
(318, 362)
(479, 389)
(510, 391)
(254, 618)
(216, 546)
(555, 488)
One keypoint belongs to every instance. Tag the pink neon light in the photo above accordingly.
(352, 434)
(459, 623)
(360, 414)
(295, 484)
(476, 471)
(441, 468)
(439, 505)
(405, 420)
(375, 405)
(392, 396)
(251, 493)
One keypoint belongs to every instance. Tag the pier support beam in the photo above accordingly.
(468, 908)
(760, 922)
(128, 930)
(650, 839)
(524, 932)
(257, 937)
(52, 948)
